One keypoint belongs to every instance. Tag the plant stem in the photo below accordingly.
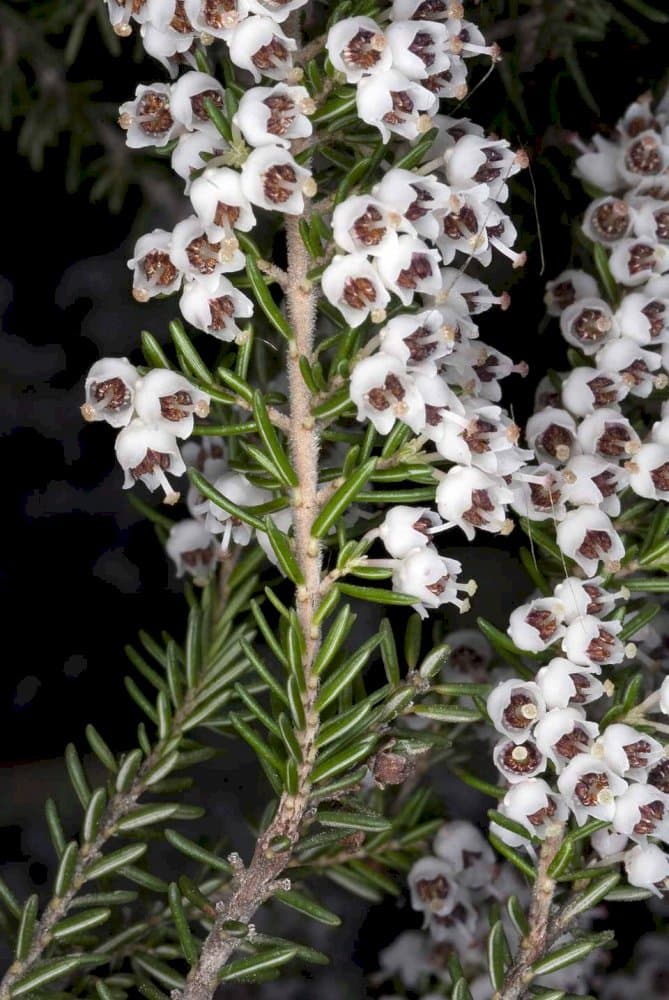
(534, 945)
(256, 883)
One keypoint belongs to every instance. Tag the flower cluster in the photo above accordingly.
(152, 411)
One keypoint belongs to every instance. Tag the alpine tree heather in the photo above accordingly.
(325, 425)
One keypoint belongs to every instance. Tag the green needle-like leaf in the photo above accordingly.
(26, 927)
(342, 499)
(245, 968)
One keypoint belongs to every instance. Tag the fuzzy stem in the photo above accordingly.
(256, 883)
(532, 947)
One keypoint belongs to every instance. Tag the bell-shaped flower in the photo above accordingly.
(658, 776)
(215, 18)
(457, 928)
(632, 362)
(237, 488)
(534, 805)
(644, 156)
(278, 10)
(590, 642)
(483, 160)
(169, 41)
(518, 761)
(587, 536)
(274, 115)
(352, 284)
(590, 788)
(588, 324)
(598, 165)
(419, 49)
(201, 258)
(467, 295)
(415, 197)
(642, 812)
(215, 310)
(586, 389)
(644, 318)
(634, 261)
(358, 47)
(417, 340)
(154, 270)
(410, 267)
(608, 434)
(536, 626)
(515, 707)
(383, 391)
(272, 179)
(607, 843)
(450, 83)
(192, 549)
(565, 685)
(149, 120)
(395, 104)
(567, 288)
(647, 867)
(607, 220)
(188, 96)
(469, 657)
(431, 579)
(220, 203)
(563, 734)
(433, 886)
(471, 499)
(211, 468)
(259, 45)
(121, 13)
(627, 751)
(551, 433)
(589, 479)
(465, 848)
(586, 597)
(193, 151)
(405, 529)
(148, 453)
(649, 471)
(538, 493)
(167, 400)
(407, 957)
(110, 391)
(363, 224)
(483, 436)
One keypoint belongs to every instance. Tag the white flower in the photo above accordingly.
(647, 867)
(167, 400)
(188, 95)
(628, 751)
(642, 812)
(535, 805)
(551, 433)
(607, 220)
(363, 224)
(514, 707)
(110, 391)
(220, 203)
(588, 324)
(407, 957)
(216, 18)
(590, 788)
(483, 436)
(518, 761)
(537, 493)
(418, 340)
(278, 10)
(167, 33)
(147, 453)
(352, 284)
(626, 357)
(600, 166)
(408, 267)
(433, 10)
(431, 579)
(189, 156)
(393, 103)
(644, 318)
(537, 625)
(664, 696)
(589, 479)
(588, 537)
(563, 734)
(235, 487)
(585, 389)
(193, 549)
(215, 309)
(404, 529)
(154, 270)
(382, 390)
(419, 49)
(585, 597)
(432, 886)
(609, 434)
(201, 258)
(467, 295)
(633, 261)
(457, 928)
(260, 46)
(607, 843)
(642, 157)
(272, 179)
(564, 685)
(465, 848)
(211, 468)
(274, 115)
(121, 13)
(470, 498)
(589, 642)
(469, 657)
(649, 471)
(569, 286)
(357, 47)
(415, 197)
(149, 120)
(483, 160)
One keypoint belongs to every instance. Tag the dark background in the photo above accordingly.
(80, 573)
